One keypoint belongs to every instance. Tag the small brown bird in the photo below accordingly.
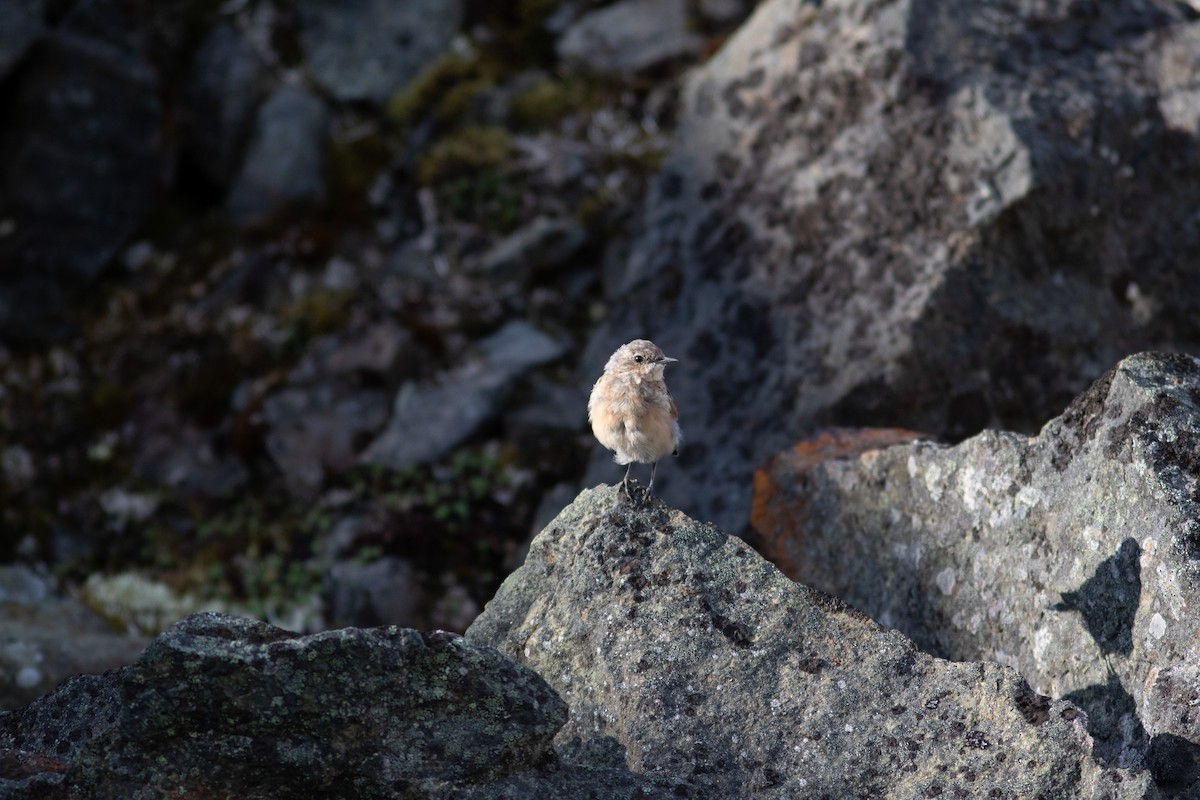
(632, 412)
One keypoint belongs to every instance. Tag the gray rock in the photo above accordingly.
(1071, 556)
(318, 429)
(431, 419)
(383, 592)
(938, 217)
(21, 23)
(80, 157)
(228, 81)
(285, 160)
(543, 245)
(368, 49)
(706, 663)
(721, 12)
(45, 638)
(225, 707)
(630, 36)
(170, 451)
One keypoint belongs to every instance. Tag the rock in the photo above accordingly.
(893, 214)
(228, 81)
(285, 160)
(226, 707)
(71, 194)
(630, 36)
(721, 12)
(383, 350)
(366, 50)
(1071, 555)
(431, 419)
(317, 430)
(779, 514)
(383, 592)
(706, 663)
(21, 23)
(543, 245)
(167, 450)
(46, 638)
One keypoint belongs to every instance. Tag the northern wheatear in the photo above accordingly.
(632, 412)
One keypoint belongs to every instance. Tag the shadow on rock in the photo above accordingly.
(1108, 601)
(1112, 720)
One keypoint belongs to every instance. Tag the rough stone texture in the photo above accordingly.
(46, 638)
(1073, 555)
(224, 707)
(934, 215)
(705, 662)
(630, 36)
(71, 194)
(368, 49)
(431, 419)
(285, 160)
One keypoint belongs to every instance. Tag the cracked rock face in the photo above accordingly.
(938, 216)
(680, 644)
(240, 708)
(224, 707)
(1073, 555)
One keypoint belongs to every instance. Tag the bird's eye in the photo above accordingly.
(639, 359)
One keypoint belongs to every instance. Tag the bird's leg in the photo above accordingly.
(650, 485)
(625, 482)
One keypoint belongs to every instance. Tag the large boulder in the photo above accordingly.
(934, 215)
(1073, 555)
(224, 707)
(680, 645)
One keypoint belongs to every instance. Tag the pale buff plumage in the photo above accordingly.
(631, 411)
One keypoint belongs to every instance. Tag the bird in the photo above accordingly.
(632, 412)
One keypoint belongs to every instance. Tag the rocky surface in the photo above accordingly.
(369, 49)
(284, 162)
(703, 661)
(226, 707)
(927, 215)
(1071, 555)
(629, 36)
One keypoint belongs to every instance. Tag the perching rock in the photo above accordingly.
(1073, 556)
(937, 216)
(225, 707)
(630, 36)
(705, 663)
(369, 49)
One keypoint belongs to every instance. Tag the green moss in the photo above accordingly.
(543, 104)
(465, 152)
(319, 313)
(444, 89)
(353, 164)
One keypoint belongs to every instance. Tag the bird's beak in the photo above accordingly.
(668, 360)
